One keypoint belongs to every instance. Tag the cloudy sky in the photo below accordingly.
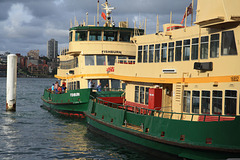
(28, 24)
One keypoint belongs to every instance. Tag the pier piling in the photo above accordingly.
(11, 83)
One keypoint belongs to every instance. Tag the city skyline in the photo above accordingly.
(27, 25)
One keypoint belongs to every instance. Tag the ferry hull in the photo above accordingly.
(111, 121)
(70, 104)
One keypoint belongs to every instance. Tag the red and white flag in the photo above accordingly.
(103, 15)
(189, 11)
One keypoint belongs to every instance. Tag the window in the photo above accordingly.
(151, 50)
(164, 53)
(194, 49)
(186, 50)
(142, 95)
(101, 60)
(111, 60)
(204, 48)
(186, 101)
(145, 54)
(178, 51)
(217, 102)
(70, 36)
(228, 43)
(89, 60)
(103, 83)
(214, 46)
(78, 84)
(115, 84)
(146, 95)
(195, 101)
(123, 86)
(95, 36)
(139, 54)
(157, 52)
(110, 36)
(76, 62)
(81, 35)
(170, 52)
(136, 99)
(125, 36)
(205, 102)
(230, 102)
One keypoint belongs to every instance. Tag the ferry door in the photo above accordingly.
(167, 97)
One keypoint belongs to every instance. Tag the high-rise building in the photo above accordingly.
(52, 49)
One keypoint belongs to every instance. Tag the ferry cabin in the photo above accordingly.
(196, 68)
(93, 51)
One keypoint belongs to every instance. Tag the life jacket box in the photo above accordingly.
(155, 98)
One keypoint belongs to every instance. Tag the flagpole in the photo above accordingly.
(186, 19)
(192, 13)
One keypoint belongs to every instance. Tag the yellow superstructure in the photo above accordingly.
(197, 67)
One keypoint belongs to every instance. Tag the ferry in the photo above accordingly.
(92, 55)
(182, 93)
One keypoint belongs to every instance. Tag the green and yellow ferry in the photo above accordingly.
(182, 93)
(93, 51)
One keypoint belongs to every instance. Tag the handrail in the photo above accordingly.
(150, 112)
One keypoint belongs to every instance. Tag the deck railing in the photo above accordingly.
(168, 115)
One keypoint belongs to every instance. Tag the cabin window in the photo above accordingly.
(70, 36)
(186, 50)
(214, 46)
(228, 43)
(76, 62)
(101, 60)
(125, 36)
(146, 95)
(230, 102)
(115, 84)
(195, 101)
(178, 51)
(151, 50)
(139, 54)
(157, 52)
(136, 98)
(164, 53)
(186, 101)
(217, 102)
(205, 102)
(110, 36)
(123, 86)
(81, 35)
(78, 84)
(194, 48)
(111, 60)
(103, 83)
(204, 47)
(95, 36)
(142, 95)
(89, 60)
(170, 52)
(145, 54)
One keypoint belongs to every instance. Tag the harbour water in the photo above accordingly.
(34, 133)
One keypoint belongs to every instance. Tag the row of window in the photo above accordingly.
(69, 64)
(91, 60)
(98, 35)
(141, 95)
(189, 49)
(214, 103)
(73, 85)
(115, 84)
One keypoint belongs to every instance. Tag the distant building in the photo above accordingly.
(52, 49)
(34, 54)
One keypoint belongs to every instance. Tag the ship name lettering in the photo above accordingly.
(106, 51)
(74, 94)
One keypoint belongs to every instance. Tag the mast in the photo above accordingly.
(98, 13)
(108, 9)
(157, 28)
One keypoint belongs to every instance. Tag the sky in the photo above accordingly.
(28, 24)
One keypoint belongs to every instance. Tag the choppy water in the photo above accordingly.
(34, 133)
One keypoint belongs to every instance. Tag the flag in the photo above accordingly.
(103, 16)
(189, 11)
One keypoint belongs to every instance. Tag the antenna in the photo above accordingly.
(157, 28)
(87, 19)
(108, 9)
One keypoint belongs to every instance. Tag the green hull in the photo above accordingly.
(148, 131)
(72, 103)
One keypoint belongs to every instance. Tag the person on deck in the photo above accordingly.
(90, 83)
(52, 88)
(106, 88)
(99, 87)
(59, 89)
(56, 87)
